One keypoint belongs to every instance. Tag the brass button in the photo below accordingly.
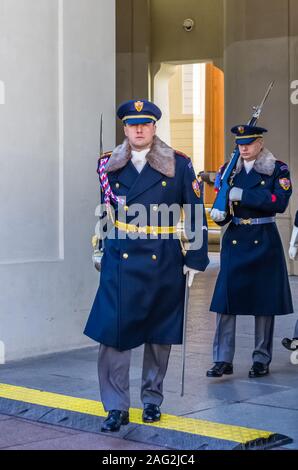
(256, 242)
(125, 208)
(234, 242)
(125, 255)
(154, 257)
(117, 185)
(236, 203)
(164, 183)
(155, 208)
(263, 182)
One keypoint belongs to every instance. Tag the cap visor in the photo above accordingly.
(134, 121)
(246, 141)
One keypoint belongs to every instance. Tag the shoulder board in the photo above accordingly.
(282, 165)
(105, 155)
(181, 154)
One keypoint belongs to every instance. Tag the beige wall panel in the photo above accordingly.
(170, 42)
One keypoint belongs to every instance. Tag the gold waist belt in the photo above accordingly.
(146, 229)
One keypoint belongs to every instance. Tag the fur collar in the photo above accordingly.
(265, 163)
(161, 157)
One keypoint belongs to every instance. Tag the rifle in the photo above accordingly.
(222, 198)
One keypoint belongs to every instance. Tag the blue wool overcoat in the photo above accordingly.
(253, 277)
(141, 294)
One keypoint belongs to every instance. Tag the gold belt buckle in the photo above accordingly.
(245, 221)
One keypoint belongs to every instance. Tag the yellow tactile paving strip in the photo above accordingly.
(188, 425)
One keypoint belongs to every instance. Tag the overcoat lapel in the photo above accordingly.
(246, 181)
(128, 175)
(145, 180)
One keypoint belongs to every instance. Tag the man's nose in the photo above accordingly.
(139, 128)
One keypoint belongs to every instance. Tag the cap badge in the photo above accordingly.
(139, 106)
(241, 129)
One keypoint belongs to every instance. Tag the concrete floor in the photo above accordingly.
(269, 403)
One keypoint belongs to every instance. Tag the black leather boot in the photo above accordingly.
(151, 413)
(114, 420)
(219, 369)
(290, 344)
(258, 370)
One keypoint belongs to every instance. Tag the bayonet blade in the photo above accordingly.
(258, 109)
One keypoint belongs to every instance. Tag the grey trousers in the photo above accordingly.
(224, 339)
(113, 374)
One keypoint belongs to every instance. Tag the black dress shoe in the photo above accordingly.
(151, 413)
(258, 370)
(219, 369)
(114, 420)
(290, 344)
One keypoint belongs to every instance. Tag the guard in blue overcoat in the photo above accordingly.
(253, 278)
(140, 299)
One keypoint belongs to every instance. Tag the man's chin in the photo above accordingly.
(140, 144)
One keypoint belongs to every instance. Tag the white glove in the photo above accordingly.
(217, 215)
(293, 249)
(96, 258)
(293, 252)
(191, 275)
(235, 194)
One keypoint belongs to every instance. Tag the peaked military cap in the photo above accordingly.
(247, 134)
(138, 112)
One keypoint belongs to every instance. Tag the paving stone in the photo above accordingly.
(16, 432)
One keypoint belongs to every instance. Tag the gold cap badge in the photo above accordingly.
(241, 129)
(139, 106)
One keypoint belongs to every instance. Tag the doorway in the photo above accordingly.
(191, 96)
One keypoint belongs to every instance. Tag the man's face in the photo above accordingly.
(140, 136)
(251, 151)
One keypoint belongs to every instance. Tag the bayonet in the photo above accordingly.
(98, 252)
(100, 138)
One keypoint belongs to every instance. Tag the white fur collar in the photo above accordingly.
(161, 157)
(265, 163)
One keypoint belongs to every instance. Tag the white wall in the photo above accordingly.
(57, 67)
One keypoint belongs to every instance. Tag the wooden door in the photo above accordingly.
(214, 125)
